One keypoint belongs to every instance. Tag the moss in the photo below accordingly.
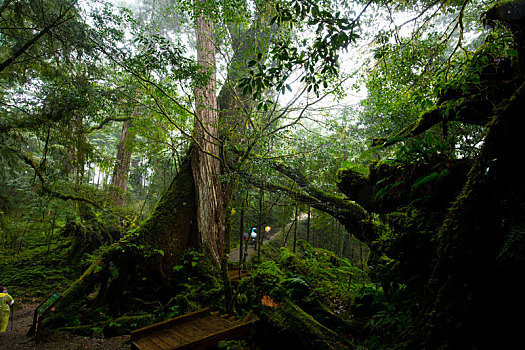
(171, 228)
(267, 279)
(352, 182)
(291, 262)
(126, 324)
(179, 305)
(67, 308)
(87, 237)
(125, 272)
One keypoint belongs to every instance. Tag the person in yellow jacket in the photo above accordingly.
(5, 301)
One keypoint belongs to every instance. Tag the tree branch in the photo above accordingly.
(106, 121)
(476, 111)
(47, 189)
(57, 22)
(353, 216)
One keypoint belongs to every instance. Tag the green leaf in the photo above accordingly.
(358, 168)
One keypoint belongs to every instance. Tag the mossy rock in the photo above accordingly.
(267, 278)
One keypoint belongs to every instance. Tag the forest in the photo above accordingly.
(372, 146)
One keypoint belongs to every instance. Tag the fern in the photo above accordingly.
(514, 245)
(434, 176)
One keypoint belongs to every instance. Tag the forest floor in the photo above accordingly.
(15, 337)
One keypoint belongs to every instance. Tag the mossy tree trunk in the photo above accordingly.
(190, 215)
(475, 290)
(139, 266)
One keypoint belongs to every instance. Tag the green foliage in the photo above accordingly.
(318, 56)
(198, 284)
(190, 259)
(232, 345)
(268, 277)
(311, 274)
(179, 305)
(358, 168)
(38, 268)
(434, 176)
(428, 149)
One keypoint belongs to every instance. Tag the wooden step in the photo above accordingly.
(197, 330)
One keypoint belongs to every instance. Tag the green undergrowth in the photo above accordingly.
(197, 285)
(306, 298)
(37, 268)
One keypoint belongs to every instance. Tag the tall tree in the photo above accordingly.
(206, 165)
(122, 163)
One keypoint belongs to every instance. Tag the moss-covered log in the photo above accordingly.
(391, 185)
(291, 327)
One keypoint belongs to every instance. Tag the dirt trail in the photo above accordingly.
(17, 339)
(235, 253)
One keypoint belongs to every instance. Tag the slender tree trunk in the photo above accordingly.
(361, 254)
(241, 231)
(98, 178)
(122, 164)
(205, 161)
(51, 233)
(260, 229)
(308, 224)
(341, 240)
(296, 223)
(352, 251)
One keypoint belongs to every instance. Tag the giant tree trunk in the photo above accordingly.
(122, 163)
(191, 214)
(205, 158)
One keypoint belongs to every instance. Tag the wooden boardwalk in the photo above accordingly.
(197, 330)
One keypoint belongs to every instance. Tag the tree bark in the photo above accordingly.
(205, 161)
(122, 164)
